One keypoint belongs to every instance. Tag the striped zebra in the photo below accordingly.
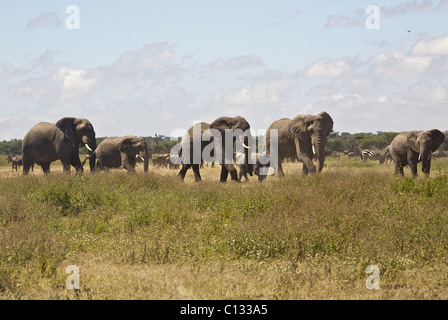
(370, 154)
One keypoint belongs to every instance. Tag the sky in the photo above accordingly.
(147, 67)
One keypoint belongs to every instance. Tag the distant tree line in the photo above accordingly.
(159, 144)
(337, 142)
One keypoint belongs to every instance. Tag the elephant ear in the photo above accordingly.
(412, 142)
(327, 122)
(234, 123)
(67, 125)
(297, 126)
(437, 139)
(125, 145)
(222, 124)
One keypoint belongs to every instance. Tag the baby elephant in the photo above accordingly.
(122, 152)
(243, 169)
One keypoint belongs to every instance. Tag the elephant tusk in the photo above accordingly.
(419, 157)
(314, 150)
(245, 146)
(88, 148)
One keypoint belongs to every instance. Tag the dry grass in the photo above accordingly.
(150, 236)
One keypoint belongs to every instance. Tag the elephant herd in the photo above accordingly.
(303, 137)
(165, 161)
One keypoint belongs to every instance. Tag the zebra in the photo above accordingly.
(370, 154)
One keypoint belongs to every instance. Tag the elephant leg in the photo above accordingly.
(308, 163)
(183, 171)
(229, 169)
(27, 166)
(76, 163)
(399, 168)
(66, 161)
(197, 174)
(305, 170)
(242, 172)
(281, 174)
(66, 167)
(45, 167)
(128, 166)
(413, 166)
(224, 173)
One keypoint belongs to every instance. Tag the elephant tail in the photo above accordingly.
(88, 157)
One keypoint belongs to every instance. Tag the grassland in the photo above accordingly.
(150, 236)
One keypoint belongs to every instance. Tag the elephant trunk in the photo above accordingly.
(425, 157)
(146, 160)
(319, 153)
(90, 143)
(247, 155)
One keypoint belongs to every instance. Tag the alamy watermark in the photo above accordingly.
(73, 21)
(373, 20)
(373, 281)
(72, 281)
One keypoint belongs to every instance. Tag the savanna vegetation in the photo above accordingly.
(150, 236)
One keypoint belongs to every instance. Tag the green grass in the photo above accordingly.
(150, 236)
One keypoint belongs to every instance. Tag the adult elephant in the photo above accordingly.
(202, 135)
(411, 147)
(305, 136)
(116, 152)
(48, 142)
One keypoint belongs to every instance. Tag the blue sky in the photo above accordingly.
(146, 67)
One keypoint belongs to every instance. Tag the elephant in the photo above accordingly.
(305, 136)
(255, 160)
(199, 137)
(116, 152)
(161, 161)
(411, 147)
(48, 142)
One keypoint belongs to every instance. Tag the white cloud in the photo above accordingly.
(437, 93)
(43, 20)
(414, 6)
(442, 3)
(326, 67)
(382, 99)
(271, 87)
(431, 47)
(396, 64)
(36, 90)
(237, 63)
(75, 79)
(150, 56)
(354, 20)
